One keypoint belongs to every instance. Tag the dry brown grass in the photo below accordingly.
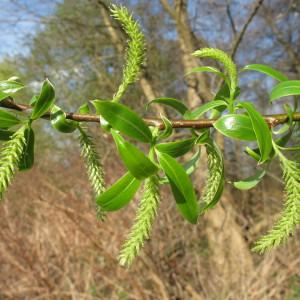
(53, 247)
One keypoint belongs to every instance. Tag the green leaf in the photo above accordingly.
(224, 93)
(9, 87)
(207, 69)
(124, 119)
(250, 182)
(33, 100)
(254, 153)
(27, 159)
(189, 167)
(284, 89)
(261, 129)
(7, 119)
(59, 121)
(5, 135)
(236, 126)
(204, 137)
(44, 101)
(119, 194)
(181, 186)
(84, 109)
(168, 130)
(290, 111)
(134, 159)
(177, 148)
(266, 70)
(172, 102)
(282, 141)
(198, 112)
(283, 129)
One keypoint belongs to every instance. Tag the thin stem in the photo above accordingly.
(271, 120)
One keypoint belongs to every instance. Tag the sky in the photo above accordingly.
(18, 19)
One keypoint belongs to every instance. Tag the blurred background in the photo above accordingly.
(51, 244)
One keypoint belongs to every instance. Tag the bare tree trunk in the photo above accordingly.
(230, 253)
(224, 235)
(198, 84)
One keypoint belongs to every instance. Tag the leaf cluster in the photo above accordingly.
(163, 159)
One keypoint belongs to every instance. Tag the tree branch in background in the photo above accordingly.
(231, 20)
(240, 37)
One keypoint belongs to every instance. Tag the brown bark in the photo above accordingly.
(272, 120)
(230, 252)
(198, 86)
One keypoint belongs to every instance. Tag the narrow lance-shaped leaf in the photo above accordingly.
(282, 141)
(208, 69)
(261, 129)
(119, 194)
(134, 159)
(177, 148)
(27, 159)
(236, 126)
(266, 70)
(181, 186)
(254, 153)
(7, 119)
(44, 101)
(284, 89)
(251, 181)
(123, 119)
(189, 166)
(9, 87)
(84, 109)
(5, 135)
(178, 105)
(33, 100)
(198, 112)
(168, 130)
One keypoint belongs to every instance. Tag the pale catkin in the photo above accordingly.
(141, 228)
(10, 157)
(215, 181)
(290, 216)
(225, 59)
(135, 52)
(93, 164)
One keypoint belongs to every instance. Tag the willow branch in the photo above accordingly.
(271, 120)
